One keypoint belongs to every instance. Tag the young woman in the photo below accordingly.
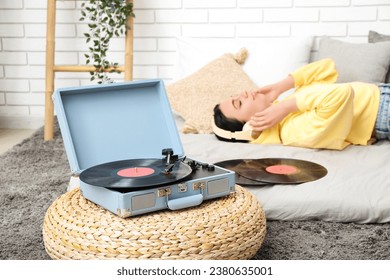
(319, 114)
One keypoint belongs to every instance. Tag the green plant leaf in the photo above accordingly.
(108, 19)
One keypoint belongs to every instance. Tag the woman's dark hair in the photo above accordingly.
(227, 124)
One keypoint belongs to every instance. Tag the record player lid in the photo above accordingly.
(104, 123)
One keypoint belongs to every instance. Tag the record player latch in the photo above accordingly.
(182, 187)
(199, 185)
(164, 192)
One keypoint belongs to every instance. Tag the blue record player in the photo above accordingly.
(122, 142)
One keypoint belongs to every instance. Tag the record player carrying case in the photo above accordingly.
(131, 121)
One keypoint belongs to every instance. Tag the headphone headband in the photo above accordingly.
(245, 134)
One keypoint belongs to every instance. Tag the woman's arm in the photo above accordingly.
(323, 119)
(273, 115)
(322, 71)
(273, 91)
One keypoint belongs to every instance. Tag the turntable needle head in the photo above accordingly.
(168, 168)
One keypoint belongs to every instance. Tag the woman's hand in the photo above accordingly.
(267, 118)
(273, 91)
(272, 115)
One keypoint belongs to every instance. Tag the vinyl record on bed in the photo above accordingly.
(281, 170)
(240, 180)
(134, 173)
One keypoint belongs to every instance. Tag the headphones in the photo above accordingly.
(245, 134)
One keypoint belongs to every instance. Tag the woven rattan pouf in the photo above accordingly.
(231, 227)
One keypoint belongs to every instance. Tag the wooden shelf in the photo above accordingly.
(51, 67)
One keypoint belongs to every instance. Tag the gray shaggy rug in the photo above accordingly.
(34, 173)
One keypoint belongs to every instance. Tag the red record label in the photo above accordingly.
(282, 169)
(134, 172)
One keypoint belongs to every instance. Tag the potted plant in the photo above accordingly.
(106, 19)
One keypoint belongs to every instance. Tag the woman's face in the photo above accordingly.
(243, 106)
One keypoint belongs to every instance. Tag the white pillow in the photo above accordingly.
(192, 54)
(269, 59)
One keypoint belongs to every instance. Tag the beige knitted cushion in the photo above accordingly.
(195, 96)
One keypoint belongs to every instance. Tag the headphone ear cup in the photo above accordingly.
(234, 135)
(246, 127)
(254, 134)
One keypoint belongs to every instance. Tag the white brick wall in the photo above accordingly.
(157, 23)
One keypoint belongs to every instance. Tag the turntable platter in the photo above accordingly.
(134, 173)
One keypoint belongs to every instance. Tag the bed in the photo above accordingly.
(357, 185)
(356, 188)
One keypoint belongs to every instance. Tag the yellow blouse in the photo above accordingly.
(330, 115)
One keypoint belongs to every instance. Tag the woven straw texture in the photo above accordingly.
(231, 227)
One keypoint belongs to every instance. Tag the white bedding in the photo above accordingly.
(356, 188)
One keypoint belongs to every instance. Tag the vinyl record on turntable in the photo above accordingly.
(281, 170)
(240, 180)
(134, 173)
